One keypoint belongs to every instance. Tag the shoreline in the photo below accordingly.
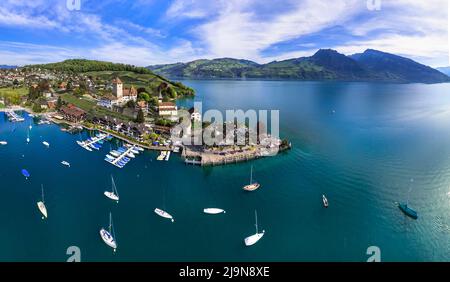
(188, 155)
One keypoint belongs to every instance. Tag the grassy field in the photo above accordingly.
(91, 107)
(13, 95)
(148, 81)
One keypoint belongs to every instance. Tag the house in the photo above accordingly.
(108, 101)
(129, 94)
(195, 115)
(62, 86)
(142, 105)
(167, 109)
(51, 104)
(72, 113)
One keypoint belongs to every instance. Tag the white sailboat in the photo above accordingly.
(66, 163)
(108, 235)
(113, 195)
(3, 143)
(164, 214)
(41, 205)
(253, 185)
(28, 136)
(253, 239)
(213, 211)
(46, 144)
(325, 201)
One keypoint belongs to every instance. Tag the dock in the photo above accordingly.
(12, 116)
(89, 144)
(122, 159)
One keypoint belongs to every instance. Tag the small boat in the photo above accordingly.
(131, 155)
(113, 195)
(325, 201)
(108, 235)
(167, 156)
(65, 163)
(3, 143)
(139, 148)
(161, 156)
(408, 211)
(46, 144)
(253, 185)
(41, 205)
(114, 153)
(164, 214)
(213, 211)
(30, 127)
(28, 139)
(253, 239)
(25, 173)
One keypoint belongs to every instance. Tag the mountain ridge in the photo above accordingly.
(325, 64)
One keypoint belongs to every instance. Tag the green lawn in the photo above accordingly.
(91, 107)
(13, 95)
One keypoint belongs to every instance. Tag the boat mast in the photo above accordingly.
(110, 222)
(256, 221)
(409, 192)
(42, 191)
(251, 175)
(114, 186)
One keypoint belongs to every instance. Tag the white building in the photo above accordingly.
(167, 109)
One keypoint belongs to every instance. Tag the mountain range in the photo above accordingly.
(325, 64)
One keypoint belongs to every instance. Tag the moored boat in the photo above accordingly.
(407, 210)
(213, 211)
(164, 214)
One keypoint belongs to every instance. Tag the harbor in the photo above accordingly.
(13, 116)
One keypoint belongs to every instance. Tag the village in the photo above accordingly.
(125, 111)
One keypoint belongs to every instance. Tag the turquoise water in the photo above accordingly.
(361, 144)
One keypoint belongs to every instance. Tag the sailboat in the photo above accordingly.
(113, 195)
(407, 210)
(253, 185)
(41, 205)
(253, 239)
(164, 214)
(46, 144)
(108, 235)
(325, 201)
(66, 163)
(28, 136)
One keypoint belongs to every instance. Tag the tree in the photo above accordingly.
(144, 96)
(131, 104)
(172, 93)
(15, 83)
(59, 103)
(140, 117)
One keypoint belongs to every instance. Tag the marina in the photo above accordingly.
(94, 142)
(14, 117)
(122, 155)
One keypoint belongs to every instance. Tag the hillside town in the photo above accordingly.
(138, 114)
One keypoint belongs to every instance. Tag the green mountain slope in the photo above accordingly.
(325, 64)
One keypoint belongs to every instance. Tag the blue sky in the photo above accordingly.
(144, 32)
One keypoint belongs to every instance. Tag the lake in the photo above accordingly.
(365, 145)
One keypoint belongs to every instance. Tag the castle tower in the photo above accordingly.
(117, 88)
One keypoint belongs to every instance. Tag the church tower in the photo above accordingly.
(117, 88)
